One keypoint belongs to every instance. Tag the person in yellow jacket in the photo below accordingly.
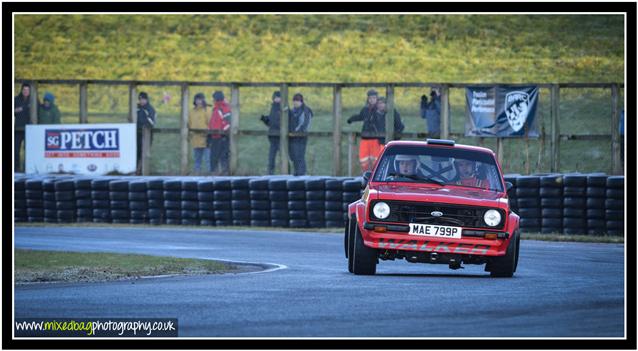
(198, 119)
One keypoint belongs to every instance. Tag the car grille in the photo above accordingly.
(453, 215)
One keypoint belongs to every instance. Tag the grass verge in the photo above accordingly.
(33, 266)
(526, 236)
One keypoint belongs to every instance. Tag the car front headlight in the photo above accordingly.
(381, 210)
(492, 218)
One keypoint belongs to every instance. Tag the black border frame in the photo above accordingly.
(630, 85)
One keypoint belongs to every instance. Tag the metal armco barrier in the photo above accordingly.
(590, 204)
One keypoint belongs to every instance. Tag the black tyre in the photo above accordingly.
(617, 182)
(596, 213)
(155, 184)
(552, 222)
(617, 215)
(529, 212)
(190, 185)
(81, 194)
(278, 184)
(260, 205)
(222, 195)
(118, 185)
(595, 202)
(528, 202)
(100, 203)
(316, 195)
(279, 205)
(297, 223)
(136, 196)
(595, 192)
(205, 196)
(189, 195)
(204, 214)
(334, 185)
(551, 202)
(119, 204)
(259, 223)
(260, 195)
(189, 205)
(612, 193)
(333, 215)
(577, 202)
(155, 194)
(296, 195)
(65, 195)
(222, 206)
(138, 186)
(573, 180)
(551, 213)
(349, 241)
(296, 184)
(277, 195)
(258, 184)
(297, 214)
(205, 186)
(354, 185)
(574, 191)
(551, 181)
(296, 205)
(172, 195)
(614, 204)
(335, 224)
(333, 206)
(364, 259)
(282, 223)
(240, 194)
(316, 216)
(574, 212)
(240, 204)
(189, 214)
(154, 203)
(574, 222)
(350, 197)
(527, 192)
(225, 216)
(316, 184)
(550, 192)
(138, 205)
(279, 215)
(173, 185)
(260, 215)
(596, 181)
(505, 266)
(315, 205)
(172, 205)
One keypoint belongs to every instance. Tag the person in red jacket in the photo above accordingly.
(468, 175)
(218, 142)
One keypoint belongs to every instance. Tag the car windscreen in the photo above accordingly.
(443, 166)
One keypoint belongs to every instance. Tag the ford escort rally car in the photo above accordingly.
(433, 201)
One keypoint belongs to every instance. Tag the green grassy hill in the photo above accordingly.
(330, 48)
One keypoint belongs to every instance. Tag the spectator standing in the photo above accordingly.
(198, 119)
(273, 123)
(380, 117)
(145, 119)
(369, 147)
(299, 122)
(22, 115)
(431, 112)
(219, 143)
(48, 112)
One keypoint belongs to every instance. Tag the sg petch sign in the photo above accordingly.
(501, 111)
(94, 149)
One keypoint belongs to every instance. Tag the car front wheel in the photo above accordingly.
(364, 260)
(505, 266)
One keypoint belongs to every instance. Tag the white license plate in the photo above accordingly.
(438, 231)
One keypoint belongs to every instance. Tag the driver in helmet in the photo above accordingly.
(405, 167)
(467, 174)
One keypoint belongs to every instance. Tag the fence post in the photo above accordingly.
(351, 153)
(555, 142)
(184, 131)
(33, 102)
(283, 129)
(445, 111)
(234, 127)
(499, 151)
(146, 150)
(84, 107)
(132, 103)
(616, 163)
(389, 115)
(336, 131)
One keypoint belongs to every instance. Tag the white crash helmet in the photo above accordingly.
(400, 157)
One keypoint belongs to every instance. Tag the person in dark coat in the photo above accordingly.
(299, 122)
(380, 118)
(48, 112)
(273, 123)
(145, 119)
(431, 112)
(22, 115)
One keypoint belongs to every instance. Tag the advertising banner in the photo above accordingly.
(94, 149)
(501, 111)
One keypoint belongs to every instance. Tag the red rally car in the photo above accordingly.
(434, 202)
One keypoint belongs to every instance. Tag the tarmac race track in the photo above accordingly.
(560, 289)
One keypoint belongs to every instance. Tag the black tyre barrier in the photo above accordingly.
(205, 196)
(222, 195)
(136, 196)
(118, 195)
(617, 182)
(574, 191)
(527, 192)
(528, 182)
(222, 206)
(279, 205)
(595, 202)
(315, 205)
(280, 214)
(259, 223)
(316, 195)
(551, 181)
(528, 202)
(173, 184)
(259, 205)
(550, 192)
(597, 192)
(574, 180)
(260, 195)
(313, 215)
(552, 202)
(277, 195)
(189, 195)
(613, 193)
(587, 203)
(333, 206)
(172, 195)
(279, 223)
(155, 203)
(189, 205)
(296, 195)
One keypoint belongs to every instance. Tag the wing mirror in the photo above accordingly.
(366, 178)
(509, 186)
